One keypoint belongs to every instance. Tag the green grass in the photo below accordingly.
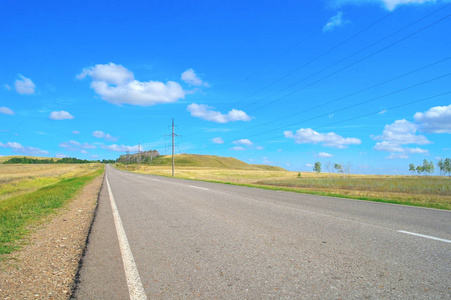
(18, 214)
(210, 161)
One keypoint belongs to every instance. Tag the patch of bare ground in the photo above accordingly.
(45, 268)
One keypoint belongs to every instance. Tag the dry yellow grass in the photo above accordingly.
(16, 179)
(425, 191)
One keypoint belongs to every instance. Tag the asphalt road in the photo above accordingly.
(187, 239)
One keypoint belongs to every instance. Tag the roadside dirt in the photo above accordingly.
(46, 267)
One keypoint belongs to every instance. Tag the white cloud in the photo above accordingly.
(397, 156)
(382, 112)
(435, 120)
(190, 77)
(243, 142)
(7, 87)
(238, 148)
(397, 134)
(12, 145)
(388, 4)
(120, 148)
(331, 139)
(402, 132)
(6, 111)
(309, 165)
(24, 85)
(334, 22)
(417, 150)
(324, 154)
(61, 155)
(117, 85)
(388, 146)
(76, 132)
(207, 113)
(102, 135)
(76, 146)
(84, 151)
(18, 148)
(218, 140)
(60, 115)
(112, 73)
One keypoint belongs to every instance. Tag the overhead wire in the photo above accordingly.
(354, 63)
(356, 104)
(340, 61)
(352, 94)
(375, 112)
(373, 86)
(319, 56)
(326, 52)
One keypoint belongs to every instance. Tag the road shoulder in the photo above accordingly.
(46, 267)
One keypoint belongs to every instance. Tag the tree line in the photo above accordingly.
(64, 160)
(444, 166)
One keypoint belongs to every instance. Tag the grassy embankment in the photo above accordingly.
(426, 191)
(53, 186)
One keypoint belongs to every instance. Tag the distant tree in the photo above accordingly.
(412, 168)
(431, 167)
(447, 166)
(428, 167)
(419, 169)
(329, 166)
(339, 168)
(441, 166)
(348, 168)
(317, 167)
(299, 175)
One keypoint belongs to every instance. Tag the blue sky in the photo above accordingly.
(284, 83)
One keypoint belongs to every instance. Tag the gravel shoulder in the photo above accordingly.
(46, 267)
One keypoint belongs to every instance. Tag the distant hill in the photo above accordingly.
(209, 161)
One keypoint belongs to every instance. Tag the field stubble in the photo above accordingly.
(426, 191)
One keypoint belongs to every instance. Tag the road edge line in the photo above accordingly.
(135, 286)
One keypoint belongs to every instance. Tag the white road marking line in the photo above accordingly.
(135, 286)
(198, 187)
(425, 236)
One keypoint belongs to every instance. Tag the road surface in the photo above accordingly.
(165, 238)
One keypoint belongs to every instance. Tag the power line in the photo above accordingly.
(354, 63)
(376, 112)
(354, 93)
(351, 106)
(326, 52)
(317, 57)
(347, 57)
(358, 104)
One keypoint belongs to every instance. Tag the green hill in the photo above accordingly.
(210, 161)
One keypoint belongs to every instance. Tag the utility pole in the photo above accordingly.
(128, 158)
(173, 135)
(139, 155)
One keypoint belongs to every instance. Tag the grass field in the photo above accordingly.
(426, 191)
(17, 179)
(54, 186)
